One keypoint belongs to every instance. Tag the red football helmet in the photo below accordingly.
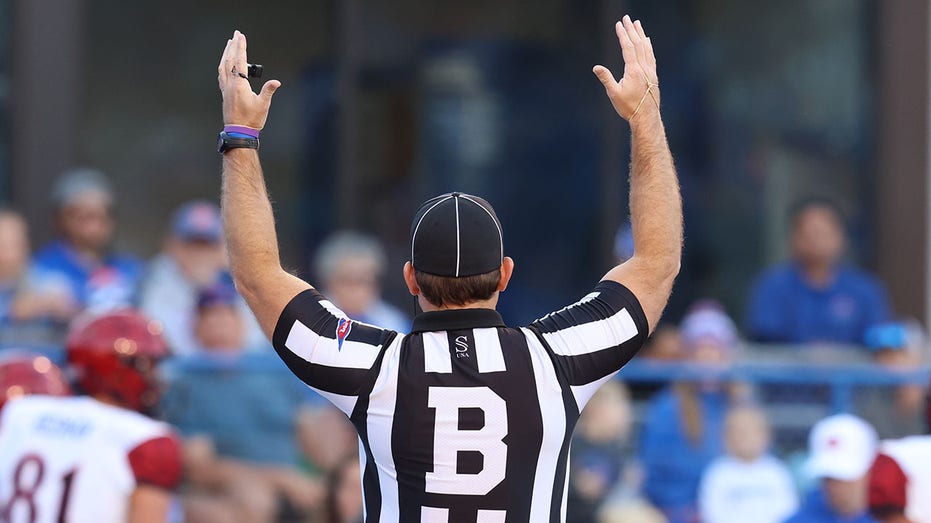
(115, 355)
(23, 374)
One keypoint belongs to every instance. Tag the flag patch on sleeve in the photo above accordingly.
(342, 330)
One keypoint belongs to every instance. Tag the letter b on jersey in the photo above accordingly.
(449, 440)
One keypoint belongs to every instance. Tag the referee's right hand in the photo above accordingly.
(241, 106)
(638, 90)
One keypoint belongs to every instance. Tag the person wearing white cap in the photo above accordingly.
(842, 449)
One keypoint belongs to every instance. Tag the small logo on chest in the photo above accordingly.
(462, 347)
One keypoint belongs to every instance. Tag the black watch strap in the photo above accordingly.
(227, 142)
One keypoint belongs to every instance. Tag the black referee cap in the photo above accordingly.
(456, 235)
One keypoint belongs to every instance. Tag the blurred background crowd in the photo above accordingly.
(803, 292)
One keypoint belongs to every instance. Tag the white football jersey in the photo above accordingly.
(78, 460)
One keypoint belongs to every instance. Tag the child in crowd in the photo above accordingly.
(747, 483)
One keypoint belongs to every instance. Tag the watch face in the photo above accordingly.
(227, 142)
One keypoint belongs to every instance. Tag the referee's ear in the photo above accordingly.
(507, 268)
(410, 278)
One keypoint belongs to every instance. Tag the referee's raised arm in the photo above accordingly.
(655, 203)
(248, 221)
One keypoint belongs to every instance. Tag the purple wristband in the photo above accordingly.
(254, 133)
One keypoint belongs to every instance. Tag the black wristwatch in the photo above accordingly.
(227, 142)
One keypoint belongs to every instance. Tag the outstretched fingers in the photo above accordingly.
(640, 43)
(627, 46)
(648, 59)
(224, 57)
(637, 37)
(222, 68)
(651, 60)
(239, 58)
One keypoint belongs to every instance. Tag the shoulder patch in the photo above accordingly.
(342, 330)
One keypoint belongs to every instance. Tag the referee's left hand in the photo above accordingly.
(638, 90)
(241, 106)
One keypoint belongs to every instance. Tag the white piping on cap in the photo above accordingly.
(493, 220)
(457, 237)
(417, 227)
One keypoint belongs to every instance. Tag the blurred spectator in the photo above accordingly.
(664, 345)
(344, 495)
(600, 451)
(193, 257)
(326, 437)
(683, 425)
(350, 266)
(233, 491)
(637, 511)
(248, 413)
(841, 450)
(99, 279)
(815, 297)
(900, 481)
(27, 293)
(624, 243)
(748, 483)
(896, 412)
(236, 417)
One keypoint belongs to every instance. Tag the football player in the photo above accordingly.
(22, 374)
(97, 457)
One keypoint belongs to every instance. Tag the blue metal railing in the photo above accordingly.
(841, 371)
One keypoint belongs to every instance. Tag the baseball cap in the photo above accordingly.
(888, 485)
(841, 447)
(456, 234)
(78, 181)
(222, 292)
(886, 336)
(197, 220)
(707, 321)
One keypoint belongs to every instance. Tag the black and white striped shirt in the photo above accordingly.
(464, 419)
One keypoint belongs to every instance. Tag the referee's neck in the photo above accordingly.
(490, 303)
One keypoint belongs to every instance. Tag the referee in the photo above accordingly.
(463, 419)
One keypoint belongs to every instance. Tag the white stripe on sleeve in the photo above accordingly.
(593, 336)
(310, 346)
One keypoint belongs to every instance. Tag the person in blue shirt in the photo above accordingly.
(815, 296)
(99, 279)
(842, 449)
(238, 417)
(683, 427)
